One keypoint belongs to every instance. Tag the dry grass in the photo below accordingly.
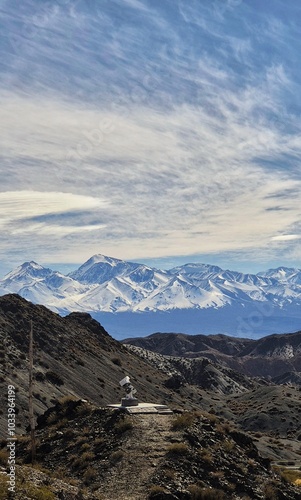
(26, 490)
(90, 475)
(123, 425)
(87, 456)
(270, 493)
(85, 447)
(156, 490)
(183, 421)
(67, 399)
(178, 449)
(206, 455)
(3, 457)
(228, 446)
(199, 493)
(290, 475)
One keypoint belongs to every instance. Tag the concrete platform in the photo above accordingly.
(143, 408)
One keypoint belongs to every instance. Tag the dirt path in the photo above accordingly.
(149, 441)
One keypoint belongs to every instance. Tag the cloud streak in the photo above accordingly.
(163, 129)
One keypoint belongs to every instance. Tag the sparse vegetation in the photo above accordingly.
(155, 490)
(183, 421)
(87, 456)
(124, 425)
(290, 475)
(228, 446)
(270, 492)
(199, 493)
(178, 449)
(169, 473)
(206, 455)
(65, 400)
(39, 493)
(3, 457)
(54, 378)
(91, 445)
(90, 475)
(85, 447)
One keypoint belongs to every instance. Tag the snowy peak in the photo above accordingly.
(196, 269)
(283, 274)
(101, 268)
(28, 270)
(106, 284)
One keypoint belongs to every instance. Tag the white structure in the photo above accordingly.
(130, 404)
(129, 399)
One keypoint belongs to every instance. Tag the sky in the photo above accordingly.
(159, 131)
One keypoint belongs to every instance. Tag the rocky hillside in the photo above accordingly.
(271, 356)
(107, 455)
(72, 355)
(200, 371)
(226, 429)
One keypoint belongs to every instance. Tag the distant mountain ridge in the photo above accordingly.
(105, 285)
(276, 357)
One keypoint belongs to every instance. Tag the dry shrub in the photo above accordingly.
(183, 421)
(87, 456)
(178, 449)
(156, 490)
(206, 455)
(270, 492)
(199, 493)
(290, 475)
(123, 425)
(89, 475)
(3, 457)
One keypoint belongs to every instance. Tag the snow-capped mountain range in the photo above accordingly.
(107, 285)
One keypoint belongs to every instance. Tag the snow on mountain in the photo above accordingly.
(105, 284)
(181, 293)
(283, 275)
(42, 285)
(100, 269)
(26, 274)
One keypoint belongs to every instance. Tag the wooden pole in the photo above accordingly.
(30, 397)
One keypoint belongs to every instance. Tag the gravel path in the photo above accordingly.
(149, 441)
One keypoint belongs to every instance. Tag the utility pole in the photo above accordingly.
(30, 397)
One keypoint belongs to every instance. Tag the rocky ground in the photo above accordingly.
(276, 357)
(228, 433)
(105, 454)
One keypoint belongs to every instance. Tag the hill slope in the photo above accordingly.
(270, 357)
(184, 457)
(94, 452)
(72, 355)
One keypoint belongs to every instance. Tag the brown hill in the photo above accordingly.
(92, 452)
(268, 357)
(72, 355)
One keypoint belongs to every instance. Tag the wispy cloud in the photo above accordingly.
(286, 237)
(170, 141)
(24, 211)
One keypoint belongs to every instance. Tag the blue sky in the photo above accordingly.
(161, 131)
